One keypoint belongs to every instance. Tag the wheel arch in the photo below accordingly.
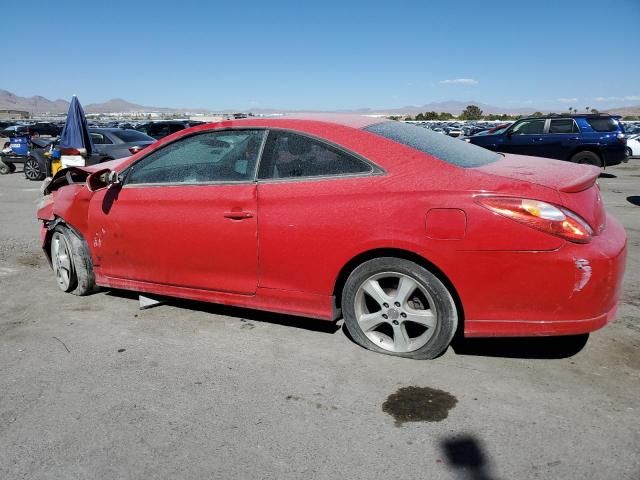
(359, 259)
(51, 226)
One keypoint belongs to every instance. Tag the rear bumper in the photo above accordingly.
(573, 290)
(530, 328)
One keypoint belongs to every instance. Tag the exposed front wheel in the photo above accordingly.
(71, 262)
(397, 307)
(628, 152)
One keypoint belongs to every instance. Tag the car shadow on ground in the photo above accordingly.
(608, 175)
(305, 323)
(634, 200)
(522, 347)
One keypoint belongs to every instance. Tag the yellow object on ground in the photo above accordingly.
(56, 165)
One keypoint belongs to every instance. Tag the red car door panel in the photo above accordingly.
(194, 236)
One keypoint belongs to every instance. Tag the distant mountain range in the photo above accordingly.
(38, 104)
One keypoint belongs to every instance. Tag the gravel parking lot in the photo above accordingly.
(93, 387)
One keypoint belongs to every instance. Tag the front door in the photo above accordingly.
(525, 138)
(186, 215)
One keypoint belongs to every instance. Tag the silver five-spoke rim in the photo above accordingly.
(61, 259)
(395, 312)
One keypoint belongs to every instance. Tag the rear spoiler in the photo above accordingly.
(584, 181)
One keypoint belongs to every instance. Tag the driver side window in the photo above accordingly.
(529, 127)
(225, 156)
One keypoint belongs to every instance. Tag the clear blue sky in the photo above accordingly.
(325, 54)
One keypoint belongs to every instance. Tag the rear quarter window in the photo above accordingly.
(451, 150)
(604, 124)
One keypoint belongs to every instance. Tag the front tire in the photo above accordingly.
(629, 152)
(397, 307)
(587, 158)
(5, 168)
(71, 262)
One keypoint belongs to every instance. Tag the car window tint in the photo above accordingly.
(99, 139)
(158, 130)
(209, 157)
(443, 147)
(289, 155)
(529, 127)
(564, 125)
(603, 124)
(128, 136)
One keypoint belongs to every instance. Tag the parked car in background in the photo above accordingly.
(37, 165)
(591, 139)
(36, 129)
(407, 233)
(115, 143)
(163, 128)
(633, 145)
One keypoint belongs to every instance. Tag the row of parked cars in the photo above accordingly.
(111, 141)
(596, 139)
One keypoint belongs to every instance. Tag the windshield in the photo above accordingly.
(443, 147)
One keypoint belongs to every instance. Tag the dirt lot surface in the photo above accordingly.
(93, 387)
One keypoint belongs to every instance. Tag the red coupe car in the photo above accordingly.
(408, 234)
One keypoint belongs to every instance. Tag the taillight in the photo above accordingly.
(541, 216)
(621, 138)
(135, 149)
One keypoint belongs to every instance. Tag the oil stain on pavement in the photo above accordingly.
(419, 404)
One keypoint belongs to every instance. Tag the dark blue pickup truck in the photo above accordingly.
(593, 139)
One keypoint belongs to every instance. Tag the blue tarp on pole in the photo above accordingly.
(75, 133)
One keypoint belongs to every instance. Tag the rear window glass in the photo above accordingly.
(128, 136)
(449, 149)
(603, 124)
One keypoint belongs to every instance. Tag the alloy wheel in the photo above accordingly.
(32, 169)
(395, 312)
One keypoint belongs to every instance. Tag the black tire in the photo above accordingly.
(5, 168)
(443, 304)
(628, 152)
(82, 280)
(587, 158)
(33, 170)
(12, 167)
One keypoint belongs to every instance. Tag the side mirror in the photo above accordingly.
(102, 179)
(509, 134)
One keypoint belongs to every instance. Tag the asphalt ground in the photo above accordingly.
(93, 387)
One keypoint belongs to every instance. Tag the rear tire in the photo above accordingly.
(5, 168)
(397, 307)
(71, 262)
(629, 152)
(587, 158)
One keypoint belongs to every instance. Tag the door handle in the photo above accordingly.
(238, 215)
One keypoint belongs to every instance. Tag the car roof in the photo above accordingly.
(345, 120)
